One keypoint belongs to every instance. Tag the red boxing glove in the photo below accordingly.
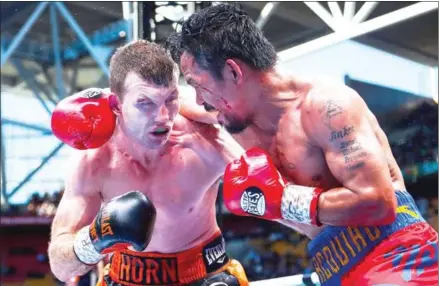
(84, 120)
(253, 186)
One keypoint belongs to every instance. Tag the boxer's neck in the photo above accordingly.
(145, 156)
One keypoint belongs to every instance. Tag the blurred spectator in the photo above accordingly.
(420, 147)
(34, 204)
(37, 206)
(49, 205)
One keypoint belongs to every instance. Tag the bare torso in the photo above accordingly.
(181, 183)
(303, 163)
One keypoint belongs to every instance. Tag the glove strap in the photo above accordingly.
(84, 248)
(299, 204)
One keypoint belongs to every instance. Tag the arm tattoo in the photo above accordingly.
(329, 111)
(347, 130)
(352, 152)
(349, 147)
(356, 166)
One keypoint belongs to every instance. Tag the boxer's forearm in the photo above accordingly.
(343, 207)
(195, 112)
(232, 150)
(63, 261)
(337, 207)
(227, 146)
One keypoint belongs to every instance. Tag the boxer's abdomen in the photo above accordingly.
(178, 233)
(183, 191)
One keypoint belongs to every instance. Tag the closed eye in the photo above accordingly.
(192, 83)
(145, 102)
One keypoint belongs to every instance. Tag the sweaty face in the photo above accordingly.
(148, 110)
(214, 94)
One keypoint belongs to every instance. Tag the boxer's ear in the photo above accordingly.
(233, 71)
(115, 104)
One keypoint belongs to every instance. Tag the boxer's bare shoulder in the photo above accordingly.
(333, 113)
(318, 119)
(327, 108)
(88, 169)
(324, 88)
(337, 120)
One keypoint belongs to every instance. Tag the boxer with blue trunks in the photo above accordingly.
(402, 253)
(317, 159)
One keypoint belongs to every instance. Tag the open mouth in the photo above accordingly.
(160, 131)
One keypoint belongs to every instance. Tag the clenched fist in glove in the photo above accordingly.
(84, 120)
(127, 220)
(253, 186)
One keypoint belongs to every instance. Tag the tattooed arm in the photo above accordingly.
(79, 205)
(336, 121)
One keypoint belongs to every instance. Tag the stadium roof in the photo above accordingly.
(288, 24)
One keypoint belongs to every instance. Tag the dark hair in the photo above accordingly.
(214, 34)
(148, 60)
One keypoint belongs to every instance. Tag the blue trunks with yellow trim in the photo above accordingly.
(336, 250)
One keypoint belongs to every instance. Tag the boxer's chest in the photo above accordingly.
(296, 158)
(177, 182)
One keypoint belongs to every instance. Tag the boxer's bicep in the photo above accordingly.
(338, 124)
(81, 199)
(356, 159)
